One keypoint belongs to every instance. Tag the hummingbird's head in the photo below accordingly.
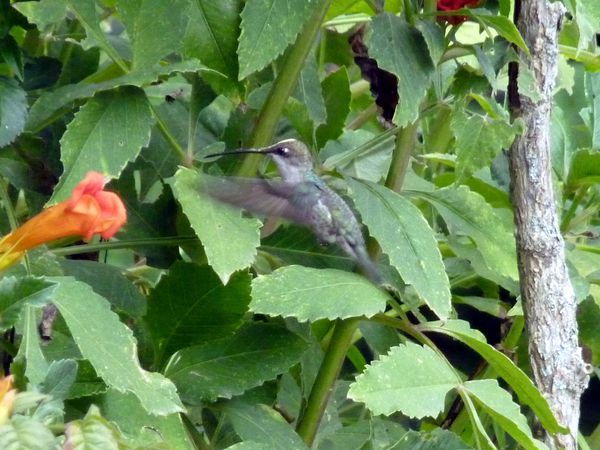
(292, 157)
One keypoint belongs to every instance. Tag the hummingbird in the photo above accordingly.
(300, 196)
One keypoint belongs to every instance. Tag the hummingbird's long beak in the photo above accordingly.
(241, 151)
(236, 152)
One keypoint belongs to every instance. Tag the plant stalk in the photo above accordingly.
(405, 144)
(282, 88)
(328, 373)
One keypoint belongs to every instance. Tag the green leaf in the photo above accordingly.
(148, 220)
(347, 7)
(436, 439)
(26, 433)
(420, 391)
(313, 294)
(351, 437)
(13, 109)
(232, 365)
(229, 240)
(337, 97)
(372, 164)
(588, 317)
(190, 306)
(43, 13)
(43, 110)
(297, 114)
(15, 293)
(152, 39)
(479, 140)
(85, 11)
(592, 89)
(91, 323)
(212, 34)
(465, 249)
(520, 383)
(361, 154)
(88, 382)
(491, 306)
(247, 445)
(498, 404)
(309, 92)
(30, 350)
(402, 50)
(467, 213)
(259, 423)
(585, 168)
(434, 37)
(505, 28)
(147, 431)
(268, 27)
(573, 111)
(109, 282)
(379, 337)
(297, 245)
(106, 133)
(93, 432)
(405, 236)
(59, 379)
(306, 108)
(588, 18)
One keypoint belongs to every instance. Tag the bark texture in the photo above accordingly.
(548, 298)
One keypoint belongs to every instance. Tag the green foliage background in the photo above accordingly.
(191, 330)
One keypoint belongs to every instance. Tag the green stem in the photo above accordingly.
(588, 248)
(359, 88)
(12, 217)
(510, 342)
(455, 52)
(68, 46)
(10, 212)
(115, 245)
(195, 436)
(405, 144)
(328, 373)
(282, 88)
(363, 117)
(407, 9)
(429, 8)
(168, 136)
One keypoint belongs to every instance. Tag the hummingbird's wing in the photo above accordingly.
(258, 196)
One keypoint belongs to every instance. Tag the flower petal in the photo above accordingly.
(92, 183)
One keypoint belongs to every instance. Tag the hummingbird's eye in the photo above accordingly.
(284, 151)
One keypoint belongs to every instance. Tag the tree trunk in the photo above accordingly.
(548, 298)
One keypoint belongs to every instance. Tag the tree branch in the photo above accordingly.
(548, 298)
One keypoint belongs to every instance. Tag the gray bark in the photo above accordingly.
(548, 298)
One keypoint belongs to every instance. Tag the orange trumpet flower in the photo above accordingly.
(7, 398)
(89, 211)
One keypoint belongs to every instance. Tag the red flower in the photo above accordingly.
(89, 211)
(453, 5)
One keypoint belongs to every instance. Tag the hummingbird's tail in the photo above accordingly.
(369, 268)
